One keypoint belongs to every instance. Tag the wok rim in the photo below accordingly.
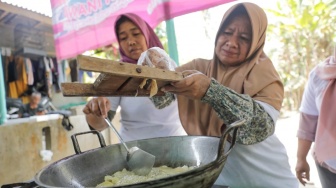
(217, 160)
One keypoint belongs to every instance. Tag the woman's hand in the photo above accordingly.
(98, 106)
(194, 85)
(302, 171)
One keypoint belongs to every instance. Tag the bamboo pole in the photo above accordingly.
(3, 110)
(172, 47)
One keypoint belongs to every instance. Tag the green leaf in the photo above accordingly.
(306, 18)
(319, 7)
(276, 13)
(304, 32)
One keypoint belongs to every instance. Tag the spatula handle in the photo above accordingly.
(115, 130)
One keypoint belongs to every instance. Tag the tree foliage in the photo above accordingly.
(304, 35)
(160, 31)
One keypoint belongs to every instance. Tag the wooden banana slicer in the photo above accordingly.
(118, 79)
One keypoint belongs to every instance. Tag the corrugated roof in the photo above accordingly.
(38, 6)
(22, 27)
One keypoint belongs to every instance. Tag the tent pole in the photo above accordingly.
(172, 46)
(3, 110)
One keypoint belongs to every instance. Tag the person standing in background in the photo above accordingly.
(318, 124)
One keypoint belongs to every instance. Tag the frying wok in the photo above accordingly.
(87, 169)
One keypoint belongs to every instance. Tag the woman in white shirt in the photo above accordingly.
(140, 119)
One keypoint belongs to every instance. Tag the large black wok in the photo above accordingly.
(88, 169)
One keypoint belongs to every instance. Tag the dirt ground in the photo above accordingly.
(286, 129)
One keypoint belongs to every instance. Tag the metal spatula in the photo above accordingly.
(139, 161)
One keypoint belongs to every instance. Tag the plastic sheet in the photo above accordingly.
(158, 58)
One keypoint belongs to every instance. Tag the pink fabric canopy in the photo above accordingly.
(81, 25)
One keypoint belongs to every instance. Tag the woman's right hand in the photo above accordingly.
(302, 171)
(97, 106)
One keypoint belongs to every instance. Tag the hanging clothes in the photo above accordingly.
(3, 51)
(48, 75)
(51, 64)
(18, 87)
(73, 70)
(12, 75)
(60, 71)
(38, 71)
(40, 78)
(55, 75)
(48, 70)
(30, 74)
(4, 68)
(6, 51)
(67, 70)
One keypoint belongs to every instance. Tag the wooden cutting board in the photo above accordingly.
(117, 78)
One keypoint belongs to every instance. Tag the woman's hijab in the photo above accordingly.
(256, 77)
(151, 38)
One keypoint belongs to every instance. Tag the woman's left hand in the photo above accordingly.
(194, 85)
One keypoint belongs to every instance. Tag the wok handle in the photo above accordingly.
(232, 127)
(75, 141)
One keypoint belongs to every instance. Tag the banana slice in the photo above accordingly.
(149, 84)
(143, 83)
(153, 88)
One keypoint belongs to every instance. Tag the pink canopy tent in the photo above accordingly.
(81, 25)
